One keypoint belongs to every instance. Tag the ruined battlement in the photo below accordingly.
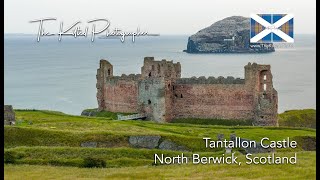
(124, 77)
(163, 68)
(210, 80)
(160, 94)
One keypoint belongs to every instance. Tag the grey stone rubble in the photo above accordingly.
(252, 150)
(143, 141)
(169, 145)
(220, 137)
(153, 142)
(9, 115)
(228, 150)
(88, 112)
(130, 117)
(89, 144)
(149, 142)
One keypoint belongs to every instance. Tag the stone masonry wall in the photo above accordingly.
(116, 93)
(221, 101)
(121, 95)
(151, 98)
(211, 80)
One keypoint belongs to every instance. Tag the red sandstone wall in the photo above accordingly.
(169, 100)
(122, 96)
(225, 101)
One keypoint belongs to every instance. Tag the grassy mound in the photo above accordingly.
(107, 114)
(298, 118)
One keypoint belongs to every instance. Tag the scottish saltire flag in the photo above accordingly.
(269, 28)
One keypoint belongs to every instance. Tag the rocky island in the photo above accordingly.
(229, 35)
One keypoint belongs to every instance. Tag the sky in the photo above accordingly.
(183, 17)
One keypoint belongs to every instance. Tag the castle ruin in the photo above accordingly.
(162, 95)
(9, 115)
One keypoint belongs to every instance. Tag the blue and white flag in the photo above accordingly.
(269, 28)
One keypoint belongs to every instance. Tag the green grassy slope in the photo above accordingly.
(290, 118)
(56, 129)
(304, 169)
(73, 156)
(94, 112)
(44, 138)
(298, 118)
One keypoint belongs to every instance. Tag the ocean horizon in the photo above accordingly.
(61, 76)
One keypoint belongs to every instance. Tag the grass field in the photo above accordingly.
(304, 169)
(46, 145)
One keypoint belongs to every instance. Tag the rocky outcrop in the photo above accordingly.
(89, 112)
(220, 137)
(229, 35)
(169, 145)
(257, 149)
(9, 115)
(252, 150)
(89, 144)
(148, 142)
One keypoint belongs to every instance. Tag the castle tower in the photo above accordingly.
(156, 88)
(259, 79)
(163, 68)
(105, 71)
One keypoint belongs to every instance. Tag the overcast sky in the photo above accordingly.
(160, 16)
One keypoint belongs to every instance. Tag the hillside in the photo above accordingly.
(304, 170)
(298, 118)
(46, 138)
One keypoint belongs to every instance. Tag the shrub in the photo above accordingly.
(242, 151)
(307, 143)
(10, 157)
(94, 162)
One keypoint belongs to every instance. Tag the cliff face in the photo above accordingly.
(230, 35)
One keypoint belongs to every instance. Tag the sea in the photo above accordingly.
(61, 75)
